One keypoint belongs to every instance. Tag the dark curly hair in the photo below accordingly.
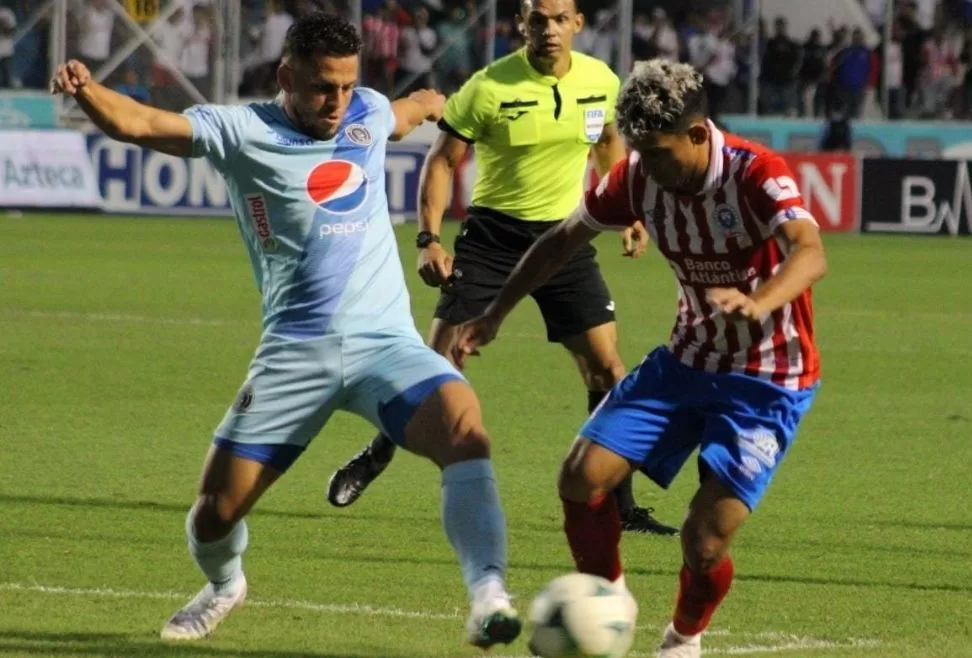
(322, 35)
(660, 96)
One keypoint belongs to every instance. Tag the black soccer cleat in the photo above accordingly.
(350, 481)
(640, 519)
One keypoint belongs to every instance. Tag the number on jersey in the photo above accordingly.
(783, 188)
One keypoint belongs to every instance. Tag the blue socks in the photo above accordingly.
(474, 521)
(221, 560)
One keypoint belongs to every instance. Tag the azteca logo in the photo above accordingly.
(337, 186)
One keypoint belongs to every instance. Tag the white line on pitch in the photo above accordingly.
(784, 641)
(333, 608)
(124, 317)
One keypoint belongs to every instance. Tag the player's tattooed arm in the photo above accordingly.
(420, 106)
(805, 264)
(121, 117)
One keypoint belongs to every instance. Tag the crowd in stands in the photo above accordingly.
(926, 66)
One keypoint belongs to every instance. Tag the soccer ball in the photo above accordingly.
(582, 616)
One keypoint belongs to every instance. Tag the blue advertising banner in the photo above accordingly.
(137, 181)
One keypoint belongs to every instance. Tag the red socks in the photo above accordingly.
(594, 534)
(699, 595)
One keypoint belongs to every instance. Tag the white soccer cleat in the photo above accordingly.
(676, 645)
(203, 614)
(493, 619)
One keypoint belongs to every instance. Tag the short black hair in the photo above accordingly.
(319, 34)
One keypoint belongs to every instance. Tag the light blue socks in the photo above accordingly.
(221, 560)
(474, 521)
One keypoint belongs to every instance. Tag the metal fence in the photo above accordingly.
(174, 53)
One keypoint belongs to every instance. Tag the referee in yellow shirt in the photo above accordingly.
(534, 117)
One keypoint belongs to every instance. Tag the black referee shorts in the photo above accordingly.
(489, 246)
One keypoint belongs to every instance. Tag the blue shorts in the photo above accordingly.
(294, 386)
(663, 410)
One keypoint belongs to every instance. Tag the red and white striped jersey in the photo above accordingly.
(726, 236)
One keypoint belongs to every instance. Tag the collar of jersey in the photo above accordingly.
(548, 80)
(713, 177)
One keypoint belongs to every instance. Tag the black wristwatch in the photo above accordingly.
(425, 238)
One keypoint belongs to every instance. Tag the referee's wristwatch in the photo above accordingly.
(425, 238)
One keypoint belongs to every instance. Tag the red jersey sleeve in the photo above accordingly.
(610, 206)
(772, 193)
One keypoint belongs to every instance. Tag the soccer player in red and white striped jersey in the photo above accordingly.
(741, 368)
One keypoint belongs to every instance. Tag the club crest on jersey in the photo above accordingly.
(728, 220)
(594, 124)
(358, 134)
(337, 186)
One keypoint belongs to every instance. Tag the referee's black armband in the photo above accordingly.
(446, 128)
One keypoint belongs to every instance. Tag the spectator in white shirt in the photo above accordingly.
(195, 59)
(97, 23)
(170, 36)
(259, 76)
(8, 25)
(715, 55)
(418, 43)
(661, 36)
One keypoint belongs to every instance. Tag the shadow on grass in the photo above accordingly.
(117, 644)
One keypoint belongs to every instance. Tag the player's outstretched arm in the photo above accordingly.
(418, 107)
(121, 117)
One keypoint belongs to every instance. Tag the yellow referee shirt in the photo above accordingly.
(532, 132)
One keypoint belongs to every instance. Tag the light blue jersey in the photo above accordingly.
(338, 330)
(313, 214)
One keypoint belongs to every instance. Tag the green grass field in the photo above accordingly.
(124, 341)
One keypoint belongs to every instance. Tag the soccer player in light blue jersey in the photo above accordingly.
(307, 181)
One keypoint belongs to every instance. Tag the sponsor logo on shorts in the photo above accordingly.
(358, 134)
(610, 306)
(759, 450)
(244, 399)
(256, 209)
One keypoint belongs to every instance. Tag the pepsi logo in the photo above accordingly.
(337, 186)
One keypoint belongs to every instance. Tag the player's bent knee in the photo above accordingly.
(214, 516)
(466, 446)
(703, 547)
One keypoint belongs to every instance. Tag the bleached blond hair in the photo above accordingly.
(659, 95)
